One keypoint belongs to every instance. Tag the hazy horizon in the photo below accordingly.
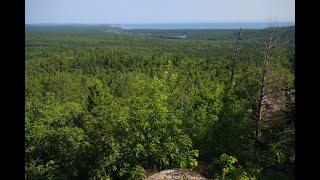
(165, 22)
(165, 11)
(219, 25)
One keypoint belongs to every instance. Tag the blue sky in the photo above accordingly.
(157, 11)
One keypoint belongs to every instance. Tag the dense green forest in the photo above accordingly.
(103, 102)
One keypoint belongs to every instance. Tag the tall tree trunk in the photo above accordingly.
(235, 56)
(262, 81)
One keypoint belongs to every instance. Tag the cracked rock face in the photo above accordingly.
(176, 174)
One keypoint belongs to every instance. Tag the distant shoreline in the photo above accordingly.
(243, 25)
(216, 25)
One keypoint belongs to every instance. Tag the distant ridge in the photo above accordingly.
(220, 25)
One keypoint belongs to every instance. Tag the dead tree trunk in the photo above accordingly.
(235, 56)
(263, 81)
(258, 102)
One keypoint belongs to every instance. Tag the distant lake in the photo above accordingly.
(243, 25)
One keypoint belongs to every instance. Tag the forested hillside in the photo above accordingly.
(103, 102)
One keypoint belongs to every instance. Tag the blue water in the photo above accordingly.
(243, 25)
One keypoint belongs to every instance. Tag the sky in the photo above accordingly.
(157, 11)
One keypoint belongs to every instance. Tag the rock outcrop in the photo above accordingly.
(176, 174)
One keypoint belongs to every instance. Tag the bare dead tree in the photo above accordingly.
(235, 56)
(263, 79)
(272, 83)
